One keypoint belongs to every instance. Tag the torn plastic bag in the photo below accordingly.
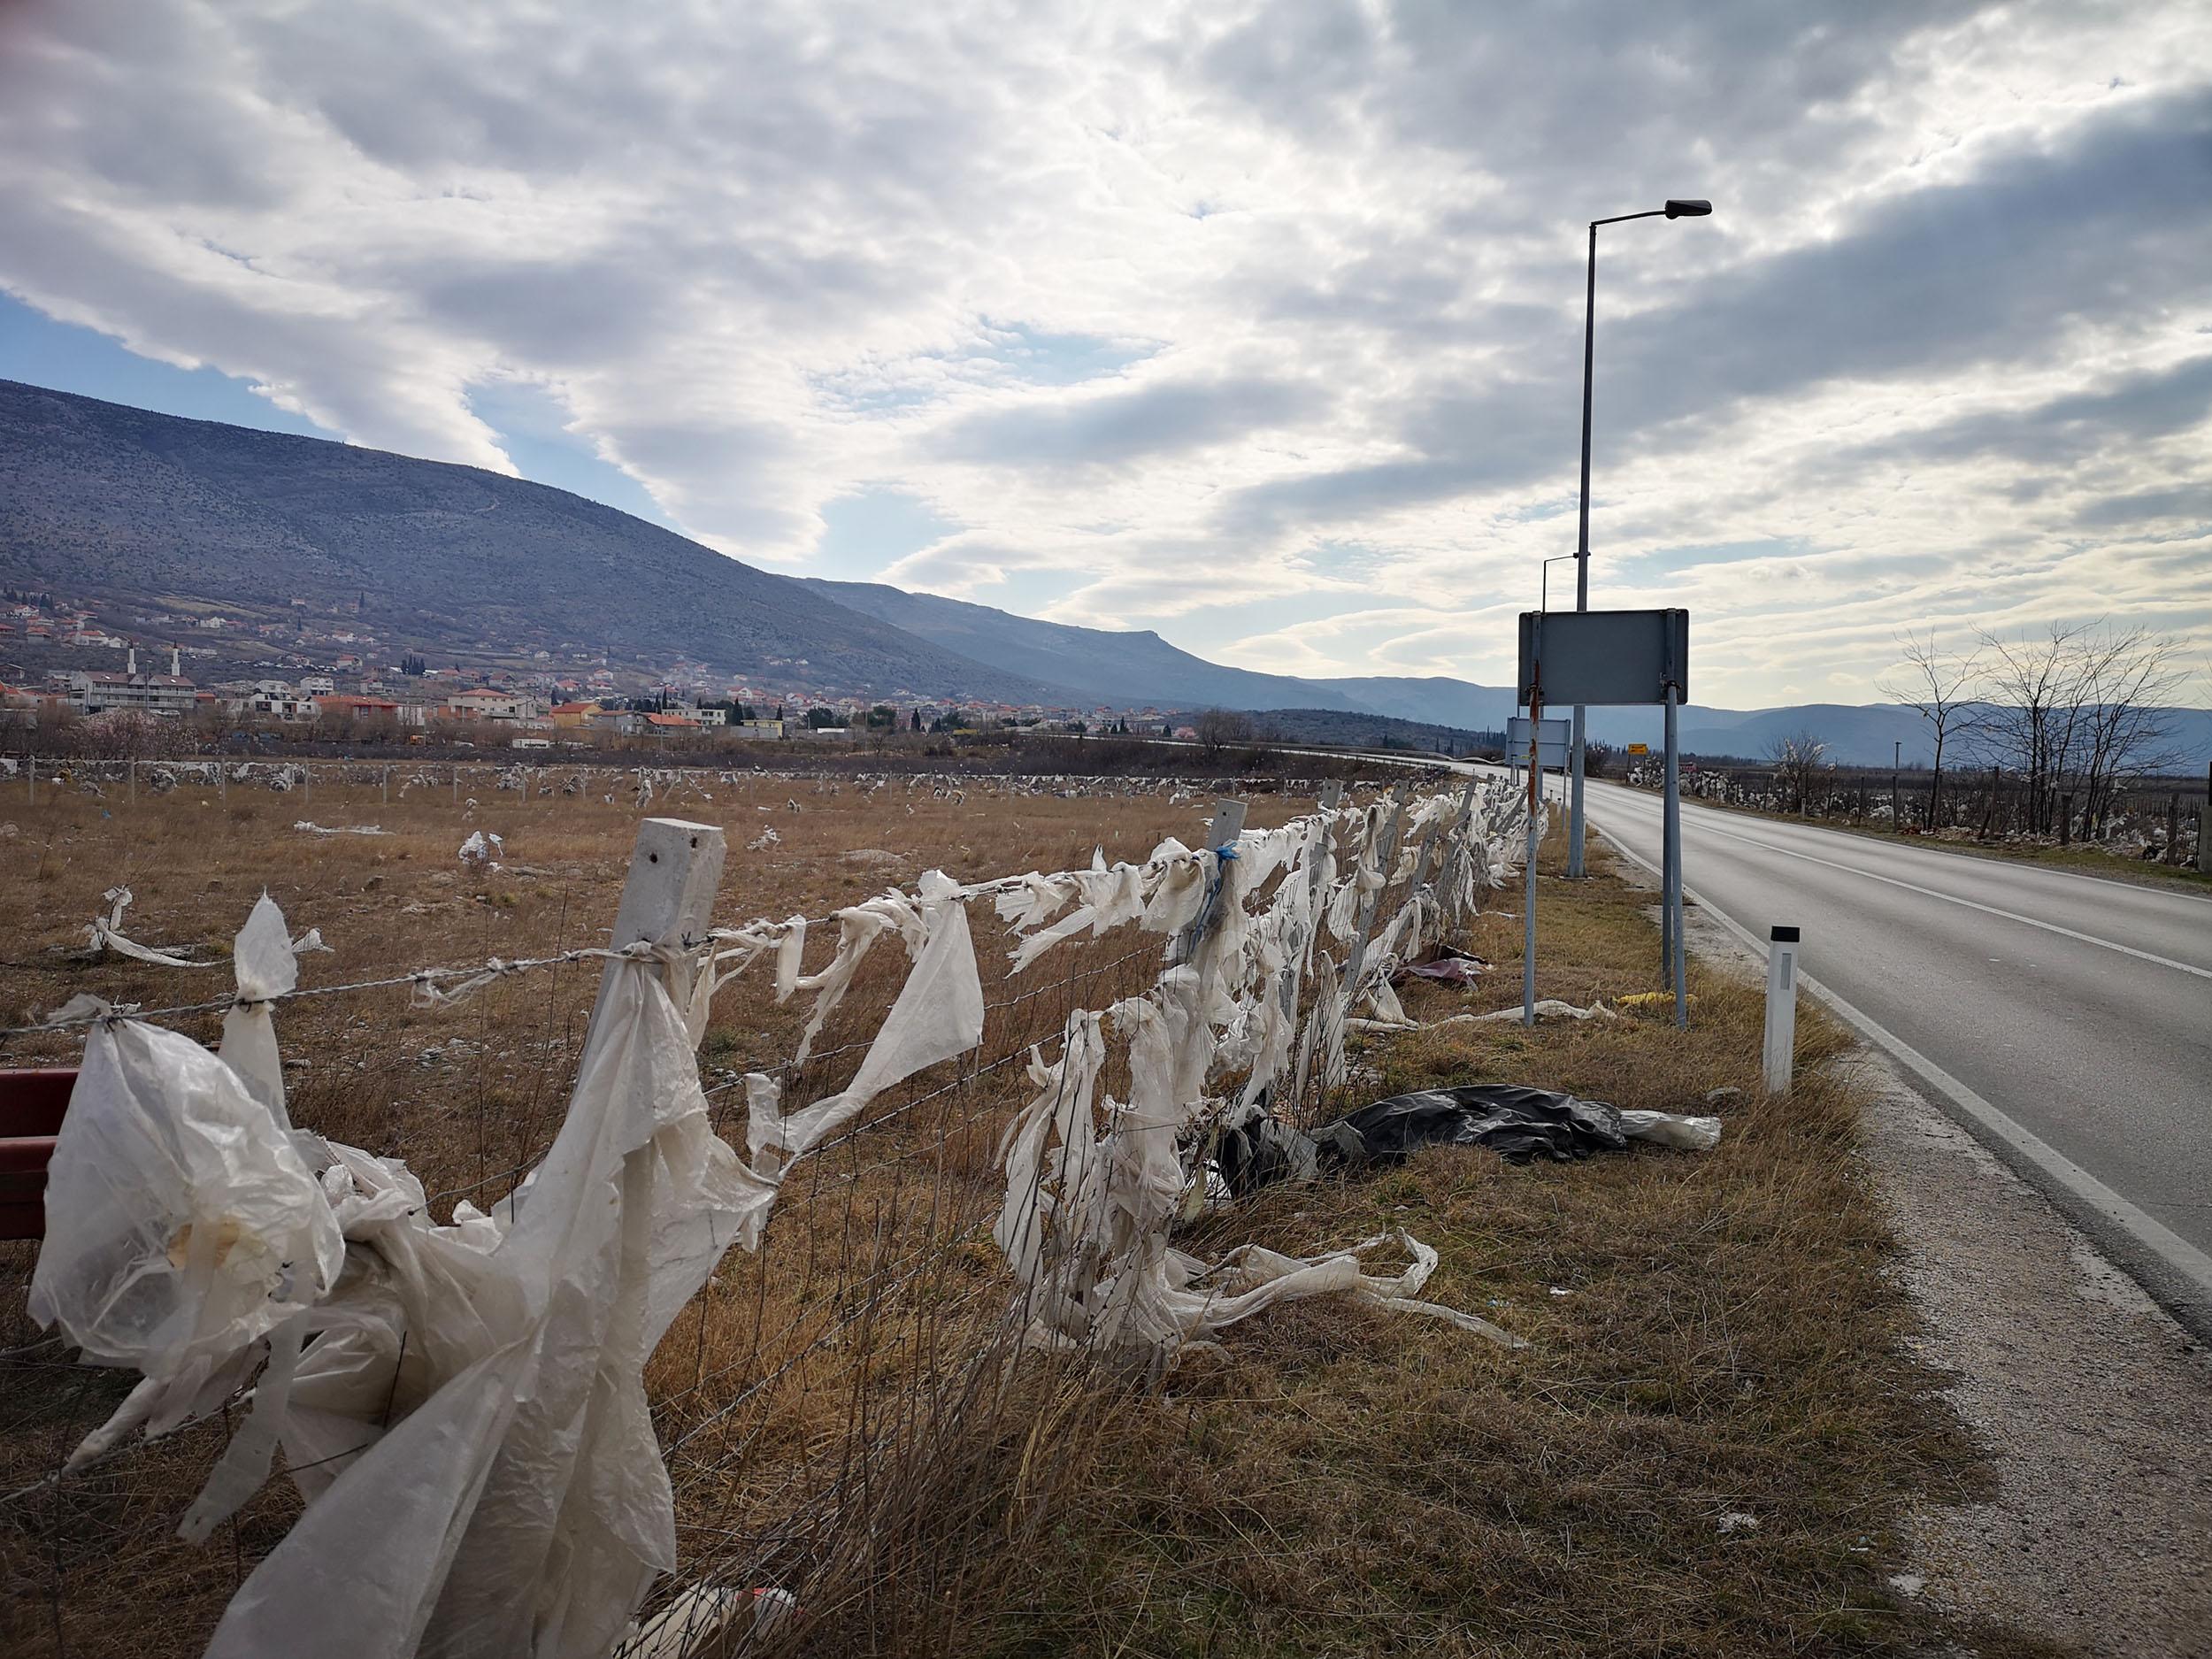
(262, 955)
(1258, 1149)
(1511, 1119)
(1685, 1134)
(106, 933)
(1450, 966)
(181, 1223)
(523, 1507)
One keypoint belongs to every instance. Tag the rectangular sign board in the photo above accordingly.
(1552, 740)
(1640, 748)
(1605, 657)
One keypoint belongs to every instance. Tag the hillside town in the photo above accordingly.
(315, 677)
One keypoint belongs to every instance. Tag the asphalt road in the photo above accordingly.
(2067, 1019)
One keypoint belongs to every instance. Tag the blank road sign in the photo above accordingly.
(1605, 656)
(1552, 738)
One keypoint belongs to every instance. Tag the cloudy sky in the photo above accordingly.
(1259, 325)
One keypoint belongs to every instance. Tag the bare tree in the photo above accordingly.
(1797, 759)
(2131, 676)
(1220, 729)
(1940, 687)
(2078, 711)
(2035, 701)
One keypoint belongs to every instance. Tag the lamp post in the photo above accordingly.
(1543, 585)
(1674, 209)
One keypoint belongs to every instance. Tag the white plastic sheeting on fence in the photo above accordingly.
(521, 1506)
(463, 1405)
(1092, 1193)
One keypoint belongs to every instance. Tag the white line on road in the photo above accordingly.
(2180, 1257)
(1971, 904)
(2010, 866)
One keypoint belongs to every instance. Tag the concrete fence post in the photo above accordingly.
(1779, 1054)
(675, 869)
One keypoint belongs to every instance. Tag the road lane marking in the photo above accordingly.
(1971, 904)
(1622, 793)
(2183, 1260)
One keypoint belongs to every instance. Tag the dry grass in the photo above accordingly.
(841, 1413)
(1710, 1336)
(877, 1265)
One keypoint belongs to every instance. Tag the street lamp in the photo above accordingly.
(1676, 208)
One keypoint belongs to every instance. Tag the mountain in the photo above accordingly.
(1434, 701)
(1135, 668)
(101, 500)
(98, 500)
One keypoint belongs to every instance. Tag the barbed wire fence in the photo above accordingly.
(837, 1405)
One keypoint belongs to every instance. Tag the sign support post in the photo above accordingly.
(1601, 658)
(1672, 902)
(1535, 800)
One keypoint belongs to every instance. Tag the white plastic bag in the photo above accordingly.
(181, 1223)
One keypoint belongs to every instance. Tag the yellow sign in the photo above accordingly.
(1640, 748)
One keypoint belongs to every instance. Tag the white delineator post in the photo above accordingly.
(1781, 1037)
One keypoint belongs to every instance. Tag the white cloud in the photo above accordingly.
(1188, 309)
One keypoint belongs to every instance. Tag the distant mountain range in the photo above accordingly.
(99, 500)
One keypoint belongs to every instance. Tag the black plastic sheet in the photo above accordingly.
(1514, 1120)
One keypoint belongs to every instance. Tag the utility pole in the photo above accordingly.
(1896, 765)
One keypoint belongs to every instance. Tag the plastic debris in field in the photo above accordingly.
(106, 933)
(1450, 966)
(706, 1621)
(1512, 1119)
(481, 850)
(1652, 1003)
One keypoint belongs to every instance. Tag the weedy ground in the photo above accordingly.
(1704, 1450)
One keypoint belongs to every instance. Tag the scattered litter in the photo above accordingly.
(1512, 1119)
(342, 829)
(1548, 1008)
(1723, 1095)
(707, 1619)
(1736, 1521)
(767, 838)
(1653, 1001)
(1449, 966)
(482, 850)
(1256, 1149)
(106, 933)
(1909, 1583)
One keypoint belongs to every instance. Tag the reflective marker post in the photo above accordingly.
(1779, 1054)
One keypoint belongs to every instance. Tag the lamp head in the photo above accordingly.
(1678, 209)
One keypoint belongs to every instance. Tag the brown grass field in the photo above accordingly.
(1711, 1333)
